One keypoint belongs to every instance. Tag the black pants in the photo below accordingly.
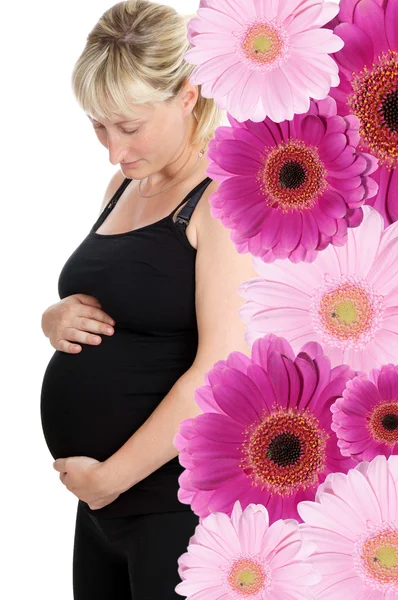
(129, 558)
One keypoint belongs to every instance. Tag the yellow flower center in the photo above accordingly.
(377, 558)
(246, 576)
(387, 556)
(262, 43)
(346, 312)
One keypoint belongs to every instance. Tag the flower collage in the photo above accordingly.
(292, 466)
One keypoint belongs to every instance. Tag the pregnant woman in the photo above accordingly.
(159, 268)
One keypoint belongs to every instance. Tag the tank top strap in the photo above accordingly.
(108, 208)
(193, 198)
(194, 195)
(118, 192)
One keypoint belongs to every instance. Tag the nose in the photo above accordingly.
(117, 151)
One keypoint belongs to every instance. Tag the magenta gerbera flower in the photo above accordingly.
(369, 88)
(365, 419)
(291, 189)
(354, 524)
(265, 435)
(242, 556)
(347, 299)
(263, 59)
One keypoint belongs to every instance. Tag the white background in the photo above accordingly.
(54, 173)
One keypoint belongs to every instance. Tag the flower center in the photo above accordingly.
(390, 422)
(292, 176)
(262, 44)
(374, 101)
(285, 452)
(382, 423)
(387, 556)
(285, 449)
(346, 312)
(376, 557)
(390, 111)
(246, 575)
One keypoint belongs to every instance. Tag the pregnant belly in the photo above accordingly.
(92, 402)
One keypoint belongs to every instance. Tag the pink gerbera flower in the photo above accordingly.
(354, 524)
(291, 189)
(365, 419)
(347, 299)
(265, 435)
(369, 87)
(261, 58)
(244, 557)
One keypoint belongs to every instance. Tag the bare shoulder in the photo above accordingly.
(219, 271)
(215, 248)
(115, 182)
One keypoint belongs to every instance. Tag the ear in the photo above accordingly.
(188, 96)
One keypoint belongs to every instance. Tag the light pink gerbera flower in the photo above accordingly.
(261, 59)
(354, 524)
(244, 557)
(289, 190)
(265, 435)
(365, 419)
(347, 299)
(369, 88)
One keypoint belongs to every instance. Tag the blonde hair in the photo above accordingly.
(134, 54)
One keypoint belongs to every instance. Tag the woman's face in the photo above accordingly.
(153, 138)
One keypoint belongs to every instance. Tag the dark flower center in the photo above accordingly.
(390, 421)
(374, 101)
(292, 175)
(382, 422)
(285, 449)
(285, 452)
(389, 110)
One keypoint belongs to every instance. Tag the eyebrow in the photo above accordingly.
(119, 123)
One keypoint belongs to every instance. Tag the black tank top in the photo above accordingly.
(92, 402)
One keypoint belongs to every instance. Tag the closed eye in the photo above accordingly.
(128, 132)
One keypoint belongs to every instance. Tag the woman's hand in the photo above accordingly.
(72, 319)
(87, 479)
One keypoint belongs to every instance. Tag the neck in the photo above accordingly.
(183, 160)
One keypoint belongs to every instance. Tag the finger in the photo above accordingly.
(94, 323)
(84, 337)
(86, 299)
(60, 464)
(97, 314)
(66, 346)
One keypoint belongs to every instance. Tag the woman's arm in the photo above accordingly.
(151, 445)
(220, 269)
